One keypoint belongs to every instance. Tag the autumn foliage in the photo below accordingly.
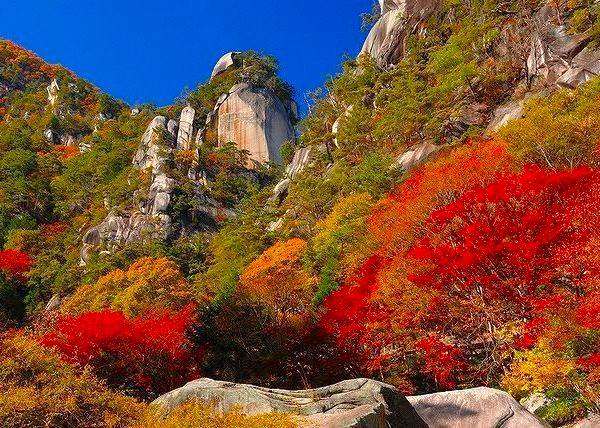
(146, 355)
(14, 263)
(37, 389)
(277, 280)
(485, 272)
(147, 283)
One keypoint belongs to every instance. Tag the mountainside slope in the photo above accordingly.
(436, 227)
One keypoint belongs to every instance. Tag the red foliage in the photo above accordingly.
(590, 362)
(445, 363)
(496, 255)
(346, 311)
(52, 230)
(588, 312)
(532, 330)
(503, 241)
(150, 353)
(66, 152)
(14, 263)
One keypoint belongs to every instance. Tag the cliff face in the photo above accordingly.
(249, 115)
(256, 121)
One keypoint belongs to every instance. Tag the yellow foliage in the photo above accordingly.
(37, 389)
(537, 370)
(147, 283)
(193, 415)
(277, 280)
(345, 231)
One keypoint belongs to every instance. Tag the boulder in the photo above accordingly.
(226, 61)
(255, 120)
(53, 304)
(415, 155)
(400, 18)
(300, 160)
(172, 127)
(591, 421)
(67, 140)
(535, 401)
(387, 5)
(584, 67)
(473, 408)
(49, 135)
(335, 128)
(352, 403)
(186, 128)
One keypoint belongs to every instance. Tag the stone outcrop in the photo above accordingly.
(352, 403)
(505, 113)
(299, 162)
(415, 155)
(186, 128)
(149, 219)
(399, 18)
(558, 56)
(149, 153)
(591, 421)
(53, 89)
(477, 407)
(361, 403)
(225, 62)
(255, 120)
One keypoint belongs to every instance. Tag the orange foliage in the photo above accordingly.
(396, 219)
(277, 280)
(66, 152)
(31, 65)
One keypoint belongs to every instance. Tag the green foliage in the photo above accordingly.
(565, 406)
(558, 131)
(239, 241)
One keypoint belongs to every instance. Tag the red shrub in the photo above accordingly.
(522, 248)
(14, 263)
(149, 354)
(445, 363)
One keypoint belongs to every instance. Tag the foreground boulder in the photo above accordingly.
(352, 403)
(473, 408)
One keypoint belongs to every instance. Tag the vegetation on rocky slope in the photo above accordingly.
(477, 267)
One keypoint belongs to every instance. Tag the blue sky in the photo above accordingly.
(149, 51)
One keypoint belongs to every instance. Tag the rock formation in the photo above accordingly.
(352, 403)
(53, 89)
(416, 155)
(399, 18)
(361, 403)
(300, 160)
(557, 55)
(477, 407)
(150, 219)
(255, 120)
(186, 128)
(225, 62)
